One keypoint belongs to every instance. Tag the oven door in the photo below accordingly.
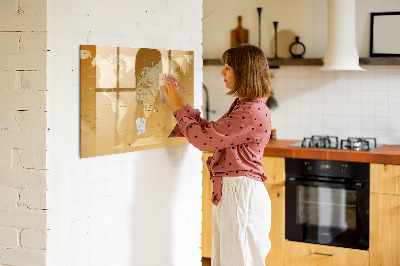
(327, 213)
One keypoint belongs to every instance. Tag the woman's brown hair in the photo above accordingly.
(250, 66)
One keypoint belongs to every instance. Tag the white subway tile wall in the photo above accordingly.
(313, 102)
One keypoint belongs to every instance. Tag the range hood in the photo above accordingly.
(341, 51)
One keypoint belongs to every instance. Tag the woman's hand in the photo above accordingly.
(180, 89)
(174, 93)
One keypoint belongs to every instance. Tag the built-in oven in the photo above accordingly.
(327, 202)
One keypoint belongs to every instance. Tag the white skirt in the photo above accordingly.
(241, 223)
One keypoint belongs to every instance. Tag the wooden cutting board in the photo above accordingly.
(239, 35)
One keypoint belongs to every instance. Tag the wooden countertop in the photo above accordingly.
(389, 154)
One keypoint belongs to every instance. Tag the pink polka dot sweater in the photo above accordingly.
(238, 139)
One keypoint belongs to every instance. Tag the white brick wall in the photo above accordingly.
(23, 15)
(8, 197)
(138, 208)
(9, 237)
(33, 239)
(22, 132)
(23, 178)
(112, 210)
(23, 218)
(11, 256)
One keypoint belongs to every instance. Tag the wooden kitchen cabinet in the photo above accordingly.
(385, 178)
(384, 236)
(385, 215)
(277, 233)
(274, 168)
(206, 225)
(305, 254)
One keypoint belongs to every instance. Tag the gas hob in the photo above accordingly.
(332, 142)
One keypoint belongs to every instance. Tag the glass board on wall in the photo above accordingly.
(121, 107)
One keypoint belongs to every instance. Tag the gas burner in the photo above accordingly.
(327, 142)
(332, 142)
(358, 144)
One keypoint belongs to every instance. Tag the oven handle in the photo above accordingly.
(357, 185)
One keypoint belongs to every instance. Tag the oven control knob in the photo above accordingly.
(308, 166)
(343, 168)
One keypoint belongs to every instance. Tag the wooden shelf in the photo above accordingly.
(380, 61)
(212, 62)
(273, 63)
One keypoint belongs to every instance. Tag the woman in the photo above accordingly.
(242, 211)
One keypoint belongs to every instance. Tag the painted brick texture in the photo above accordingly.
(23, 15)
(138, 208)
(23, 218)
(33, 239)
(9, 237)
(113, 210)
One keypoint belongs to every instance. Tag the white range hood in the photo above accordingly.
(341, 51)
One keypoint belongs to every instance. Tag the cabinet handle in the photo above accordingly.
(324, 254)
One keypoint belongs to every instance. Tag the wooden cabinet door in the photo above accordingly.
(304, 254)
(385, 178)
(274, 168)
(277, 233)
(384, 237)
(206, 225)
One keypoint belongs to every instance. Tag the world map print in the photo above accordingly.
(121, 105)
